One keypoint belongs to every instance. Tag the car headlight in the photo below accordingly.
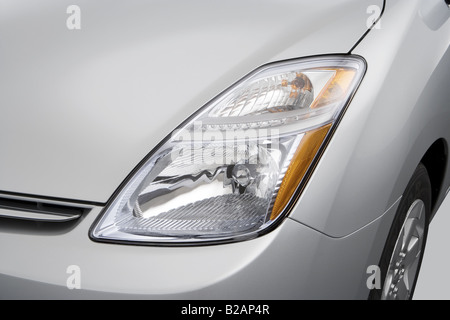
(232, 169)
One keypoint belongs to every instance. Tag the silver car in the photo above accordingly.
(289, 149)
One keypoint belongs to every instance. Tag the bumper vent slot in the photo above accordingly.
(38, 211)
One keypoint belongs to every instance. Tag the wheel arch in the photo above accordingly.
(435, 160)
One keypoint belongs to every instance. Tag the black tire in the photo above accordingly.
(419, 187)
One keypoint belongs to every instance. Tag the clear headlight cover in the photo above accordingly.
(232, 170)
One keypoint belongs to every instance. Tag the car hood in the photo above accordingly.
(81, 108)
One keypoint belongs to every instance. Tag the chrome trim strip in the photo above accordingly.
(46, 217)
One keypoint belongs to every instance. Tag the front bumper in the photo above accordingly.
(292, 262)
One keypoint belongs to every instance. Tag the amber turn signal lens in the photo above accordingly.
(300, 163)
(337, 88)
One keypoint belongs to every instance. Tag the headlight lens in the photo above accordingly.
(231, 171)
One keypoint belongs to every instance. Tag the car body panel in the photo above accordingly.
(206, 272)
(399, 111)
(81, 108)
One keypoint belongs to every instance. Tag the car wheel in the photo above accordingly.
(402, 255)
